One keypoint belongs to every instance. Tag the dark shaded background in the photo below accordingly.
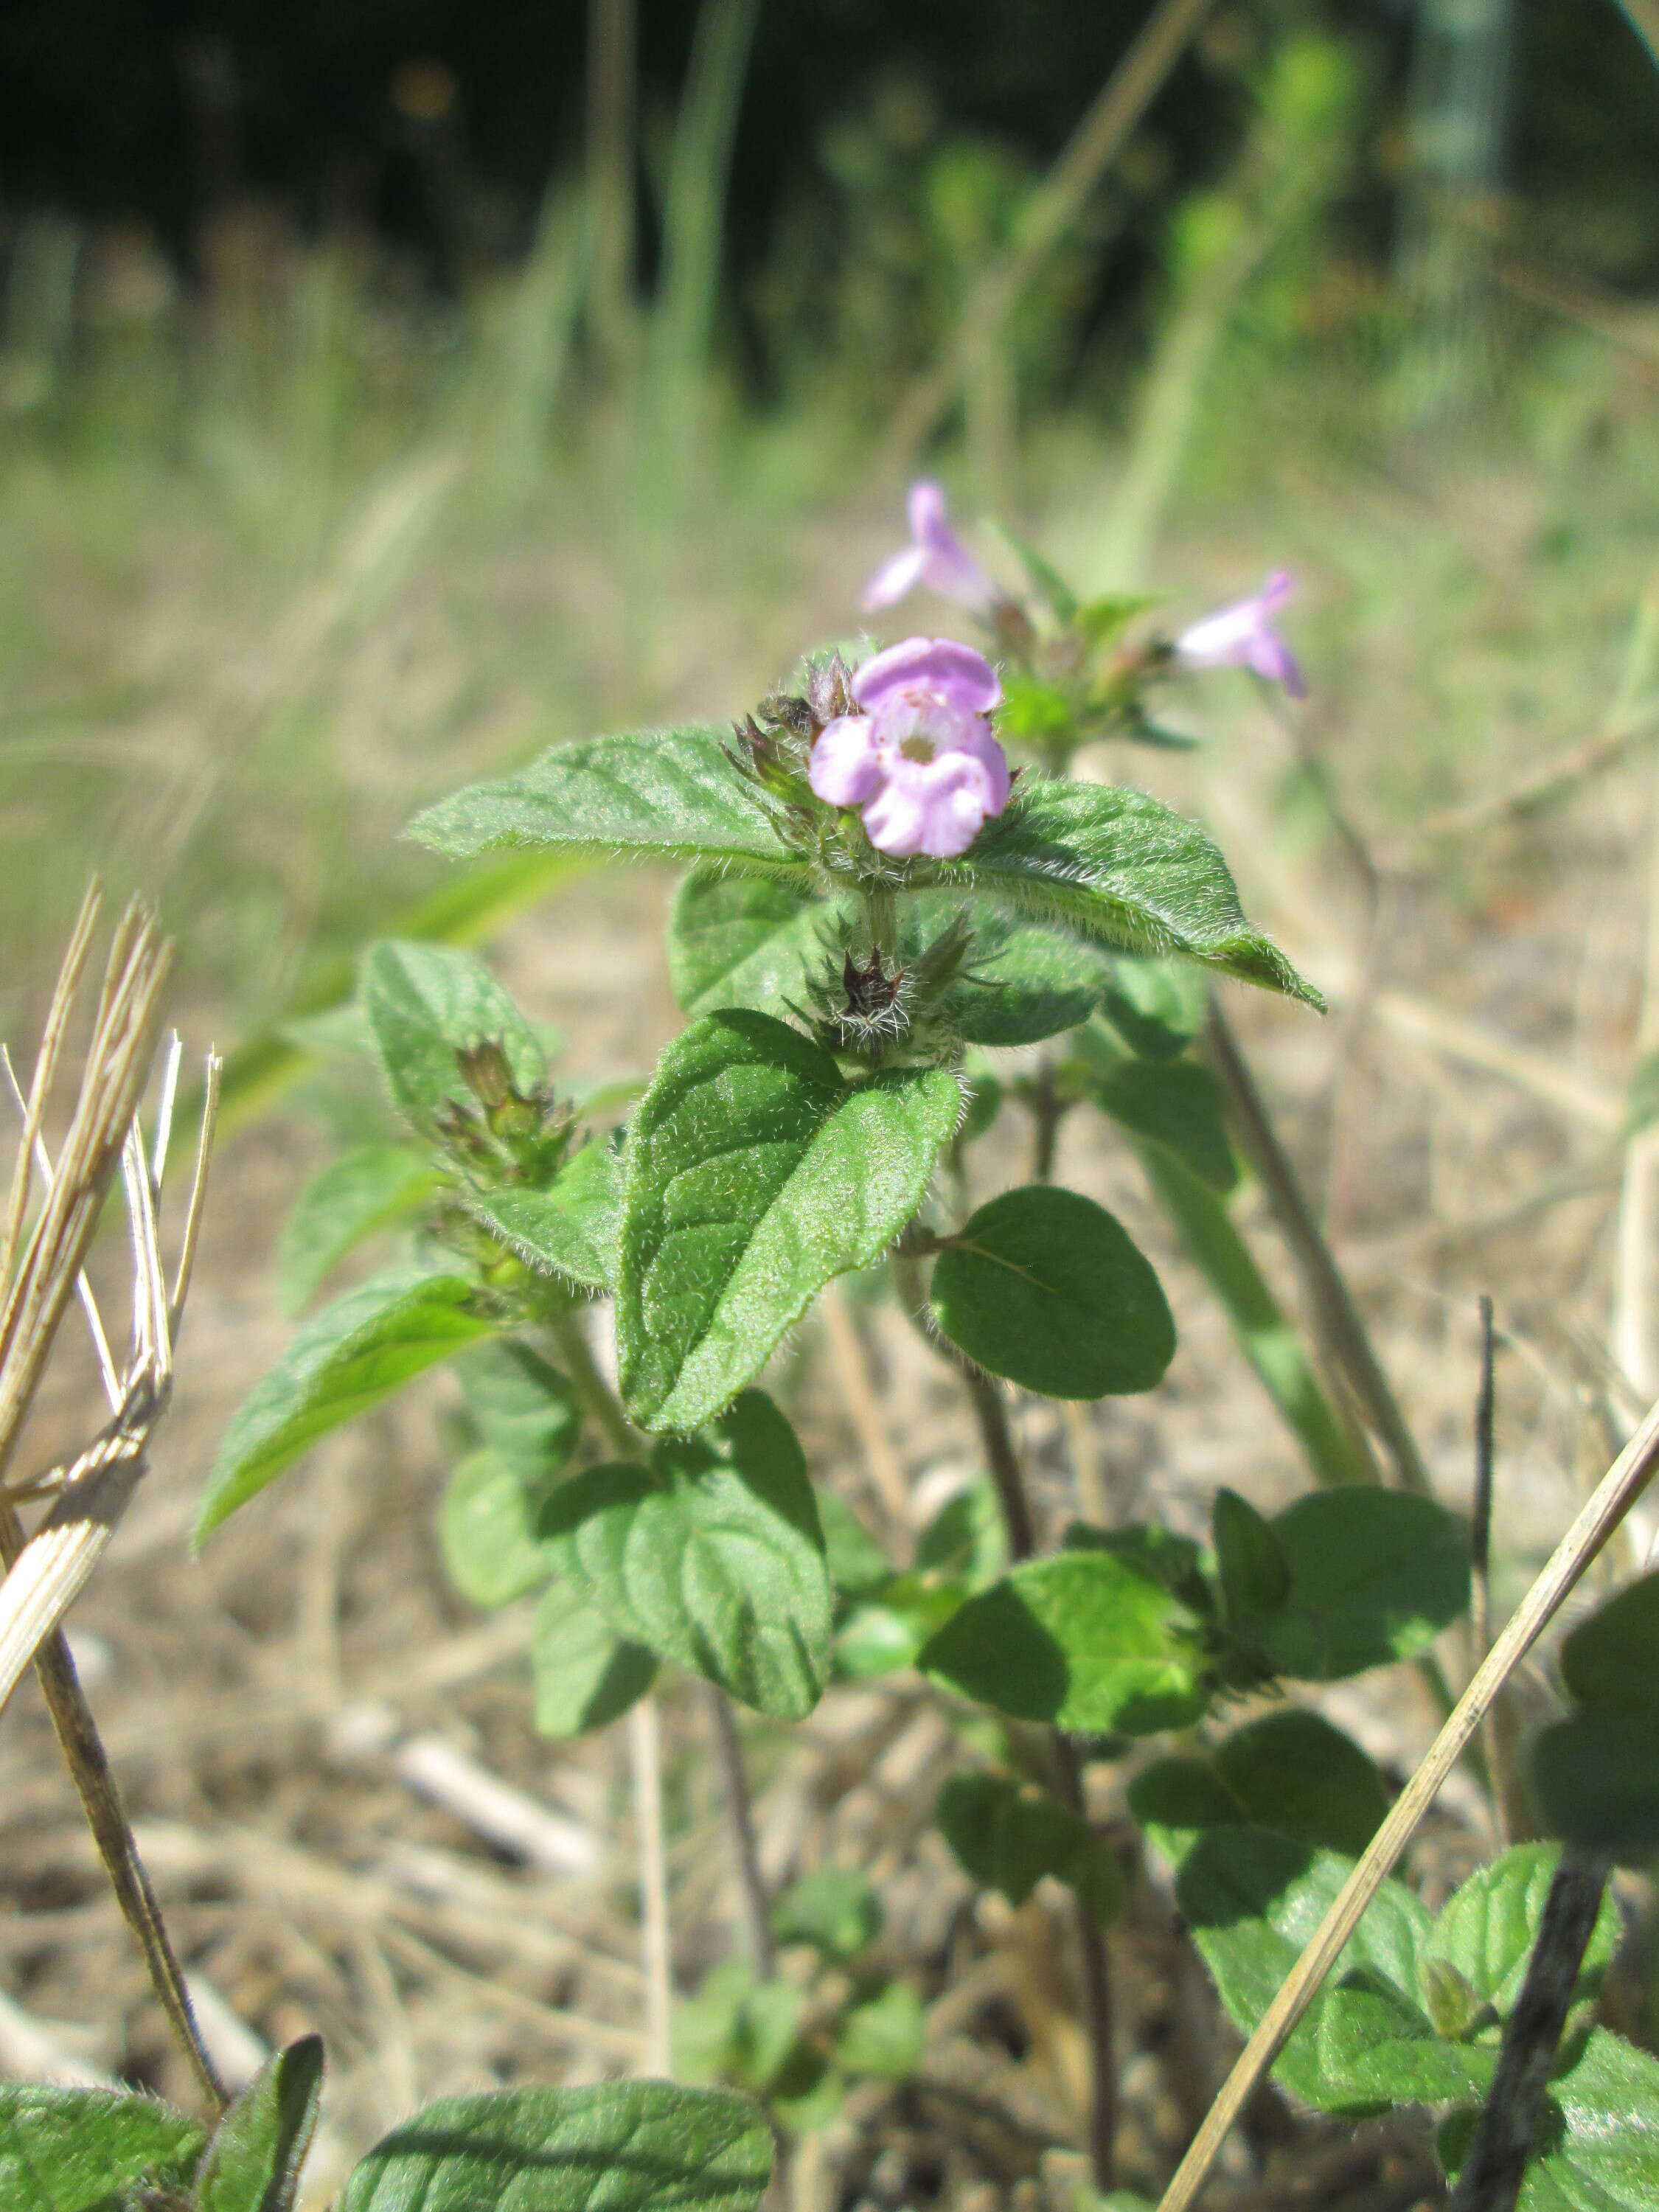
(111, 111)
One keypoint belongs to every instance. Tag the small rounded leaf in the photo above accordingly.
(1613, 1658)
(1043, 1286)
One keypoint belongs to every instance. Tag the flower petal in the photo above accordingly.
(901, 573)
(954, 674)
(846, 767)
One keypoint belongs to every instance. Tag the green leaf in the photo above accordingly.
(570, 1229)
(1375, 1576)
(1024, 983)
(621, 2146)
(1176, 1103)
(1252, 1899)
(1293, 1772)
(346, 1359)
(1253, 1571)
(713, 1557)
(1488, 1927)
(90, 2150)
(1613, 1658)
(738, 2030)
(1173, 1798)
(756, 1172)
(1008, 1837)
(1157, 1006)
(1086, 1640)
(1597, 1778)
(1267, 1339)
(836, 1910)
(1598, 2144)
(747, 941)
(967, 1539)
(653, 795)
(1046, 1287)
(883, 2035)
(428, 1003)
(857, 1564)
(487, 1530)
(362, 1191)
(585, 1675)
(1120, 868)
(882, 1636)
(527, 1412)
(253, 2162)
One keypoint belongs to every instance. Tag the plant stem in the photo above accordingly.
(740, 1822)
(1336, 1318)
(601, 1402)
(1094, 1967)
(998, 1437)
(645, 1758)
(1496, 2163)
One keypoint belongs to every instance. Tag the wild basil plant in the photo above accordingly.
(879, 907)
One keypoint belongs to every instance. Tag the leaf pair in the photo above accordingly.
(1107, 863)
(1121, 1633)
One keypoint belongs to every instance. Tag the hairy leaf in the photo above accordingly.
(527, 1414)
(1044, 1287)
(90, 2150)
(426, 1003)
(1488, 1927)
(1293, 1772)
(570, 1229)
(1157, 1006)
(346, 1359)
(651, 795)
(363, 1190)
(1253, 1571)
(747, 941)
(1375, 1576)
(712, 1557)
(253, 2163)
(1596, 2148)
(756, 1172)
(1252, 1899)
(1086, 1640)
(621, 2146)
(585, 1674)
(1115, 865)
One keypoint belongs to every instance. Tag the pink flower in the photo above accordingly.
(920, 763)
(935, 557)
(1242, 635)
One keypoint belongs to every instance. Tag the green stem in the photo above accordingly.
(603, 1407)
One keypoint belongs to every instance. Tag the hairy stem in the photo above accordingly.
(603, 1407)
(740, 1825)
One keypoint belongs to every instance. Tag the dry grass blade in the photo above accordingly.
(42, 1272)
(1613, 1496)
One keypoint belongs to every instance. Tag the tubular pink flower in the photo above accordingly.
(1243, 635)
(920, 762)
(935, 557)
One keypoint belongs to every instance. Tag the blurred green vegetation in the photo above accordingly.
(282, 558)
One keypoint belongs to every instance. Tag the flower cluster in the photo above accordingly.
(1242, 635)
(919, 760)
